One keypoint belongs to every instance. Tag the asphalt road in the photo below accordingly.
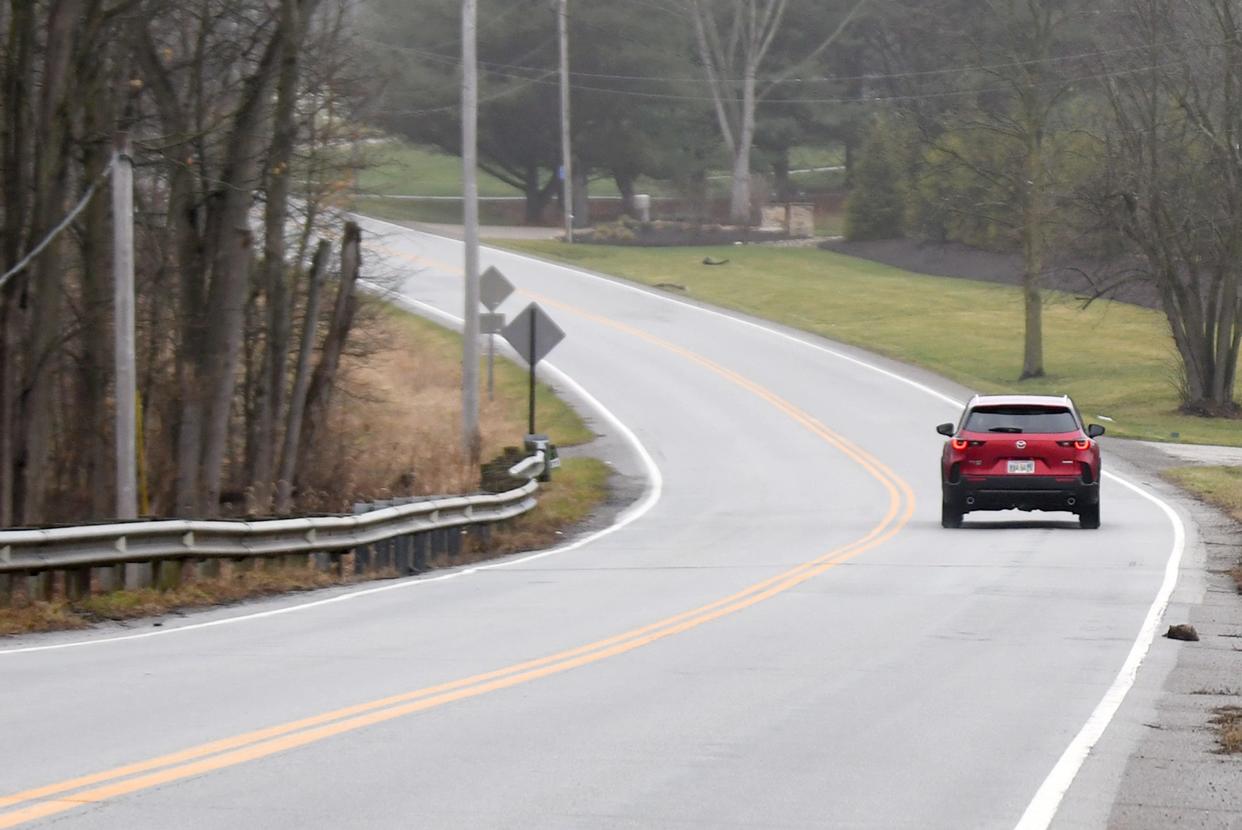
(780, 634)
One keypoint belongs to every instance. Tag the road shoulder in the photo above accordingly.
(1158, 766)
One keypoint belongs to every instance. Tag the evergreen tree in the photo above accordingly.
(876, 208)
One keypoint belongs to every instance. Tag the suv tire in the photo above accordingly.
(949, 516)
(1089, 517)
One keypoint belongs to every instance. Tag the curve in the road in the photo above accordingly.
(1038, 813)
(265, 742)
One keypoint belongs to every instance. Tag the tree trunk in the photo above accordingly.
(740, 212)
(94, 367)
(47, 292)
(301, 380)
(230, 273)
(536, 197)
(15, 186)
(1033, 259)
(780, 176)
(319, 393)
(625, 186)
(581, 196)
(273, 377)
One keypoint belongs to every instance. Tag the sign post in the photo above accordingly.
(494, 289)
(533, 334)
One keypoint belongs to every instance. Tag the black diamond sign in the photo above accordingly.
(533, 333)
(494, 288)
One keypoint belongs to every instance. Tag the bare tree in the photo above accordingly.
(1172, 181)
(735, 39)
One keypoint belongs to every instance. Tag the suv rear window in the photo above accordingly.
(1021, 419)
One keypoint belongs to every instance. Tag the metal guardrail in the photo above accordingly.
(79, 549)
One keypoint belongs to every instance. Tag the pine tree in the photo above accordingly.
(876, 208)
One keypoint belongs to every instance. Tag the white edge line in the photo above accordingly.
(1043, 807)
(654, 489)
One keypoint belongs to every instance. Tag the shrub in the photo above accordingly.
(877, 206)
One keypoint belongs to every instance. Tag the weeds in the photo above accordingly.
(397, 435)
(62, 614)
(1228, 721)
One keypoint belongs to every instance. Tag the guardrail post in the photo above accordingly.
(6, 590)
(401, 556)
(454, 541)
(77, 583)
(38, 586)
(363, 557)
(137, 575)
(167, 573)
(420, 552)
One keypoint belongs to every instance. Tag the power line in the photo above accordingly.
(875, 99)
(56, 231)
(495, 66)
(502, 93)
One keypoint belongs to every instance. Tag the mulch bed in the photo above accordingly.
(953, 259)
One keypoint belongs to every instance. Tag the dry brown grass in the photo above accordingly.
(1228, 721)
(230, 587)
(394, 431)
(396, 425)
(573, 493)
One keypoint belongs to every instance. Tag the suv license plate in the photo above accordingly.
(1021, 468)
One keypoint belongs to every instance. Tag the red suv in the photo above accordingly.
(1020, 452)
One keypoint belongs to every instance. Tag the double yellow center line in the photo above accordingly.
(59, 797)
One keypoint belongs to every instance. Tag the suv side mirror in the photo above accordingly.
(945, 429)
(1095, 431)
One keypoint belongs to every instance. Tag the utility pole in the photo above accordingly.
(470, 210)
(567, 172)
(123, 287)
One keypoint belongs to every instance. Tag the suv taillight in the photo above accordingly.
(960, 443)
(1080, 444)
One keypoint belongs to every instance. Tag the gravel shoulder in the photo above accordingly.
(1158, 764)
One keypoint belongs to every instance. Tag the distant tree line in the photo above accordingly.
(234, 107)
(1101, 130)
(1106, 130)
(670, 89)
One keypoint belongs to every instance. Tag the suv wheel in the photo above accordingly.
(1089, 517)
(950, 516)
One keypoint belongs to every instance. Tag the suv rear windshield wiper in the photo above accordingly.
(1005, 429)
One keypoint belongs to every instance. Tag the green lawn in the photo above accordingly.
(1114, 359)
(441, 212)
(399, 167)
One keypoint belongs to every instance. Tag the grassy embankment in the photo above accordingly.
(1114, 359)
(1220, 486)
(401, 412)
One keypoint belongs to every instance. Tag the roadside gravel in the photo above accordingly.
(1161, 768)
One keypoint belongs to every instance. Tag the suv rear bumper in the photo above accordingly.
(1021, 493)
